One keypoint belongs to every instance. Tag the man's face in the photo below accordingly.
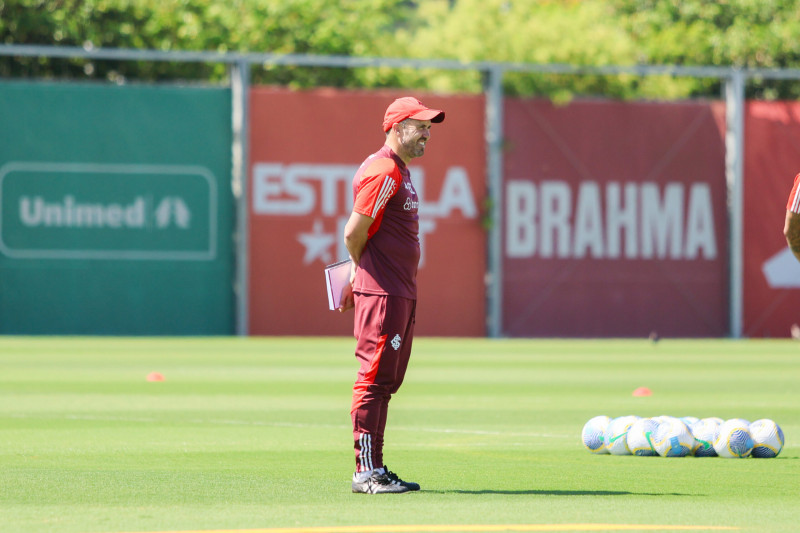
(413, 136)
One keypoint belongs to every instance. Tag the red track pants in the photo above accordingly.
(384, 329)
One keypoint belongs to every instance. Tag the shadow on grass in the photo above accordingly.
(560, 492)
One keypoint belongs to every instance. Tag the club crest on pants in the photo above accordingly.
(396, 342)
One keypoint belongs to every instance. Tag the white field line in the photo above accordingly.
(296, 425)
(474, 528)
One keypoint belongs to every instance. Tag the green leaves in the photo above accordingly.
(744, 33)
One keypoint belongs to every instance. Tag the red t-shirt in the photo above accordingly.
(793, 204)
(382, 190)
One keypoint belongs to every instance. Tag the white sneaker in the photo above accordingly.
(378, 482)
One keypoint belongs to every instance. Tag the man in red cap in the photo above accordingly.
(382, 237)
(791, 228)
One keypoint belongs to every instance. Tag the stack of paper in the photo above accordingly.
(337, 277)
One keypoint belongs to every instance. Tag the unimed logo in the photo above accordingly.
(107, 211)
(70, 213)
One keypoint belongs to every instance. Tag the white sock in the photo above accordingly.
(362, 476)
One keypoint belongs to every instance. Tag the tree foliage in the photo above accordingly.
(527, 31)
(740, 33)
(347, 27)
(744, 33)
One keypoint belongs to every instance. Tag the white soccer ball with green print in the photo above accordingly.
(640, 441)
(673, 438)
(593, 432)
(616, 435)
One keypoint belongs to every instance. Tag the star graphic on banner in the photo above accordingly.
(317, 243)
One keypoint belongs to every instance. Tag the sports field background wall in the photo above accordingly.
(117, 213)
(305, 148)
(116, 210)
(615, 220)
(772, 274)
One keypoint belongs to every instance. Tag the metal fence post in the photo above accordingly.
(494, 164)
(240, 94)
(734, 172)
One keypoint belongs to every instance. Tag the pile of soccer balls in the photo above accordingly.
(668, 436)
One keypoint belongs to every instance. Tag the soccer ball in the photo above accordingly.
(705, 432)
(689, 420)
(673, 438)
(640, 437)
(592, 434)
(767, 438)
(661, 418)
(734, 439)
(616, 435)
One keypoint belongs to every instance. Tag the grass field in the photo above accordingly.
(254, 434)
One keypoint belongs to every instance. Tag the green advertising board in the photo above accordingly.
(116, 210)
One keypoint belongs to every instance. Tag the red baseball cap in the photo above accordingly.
(409, 107)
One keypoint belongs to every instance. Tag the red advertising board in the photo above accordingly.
(771, 272)
(305, 148)
(614, 220)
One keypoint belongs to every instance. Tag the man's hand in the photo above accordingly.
(347, 301)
